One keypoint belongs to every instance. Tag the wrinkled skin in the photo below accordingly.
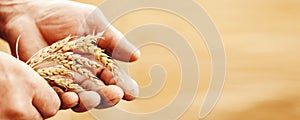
(40, 23)
(24, 94)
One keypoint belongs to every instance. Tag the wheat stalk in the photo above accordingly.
(56, 70)
(43, 53)
(89, 44)
(67, 61)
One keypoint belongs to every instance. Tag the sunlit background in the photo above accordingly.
(261, 40)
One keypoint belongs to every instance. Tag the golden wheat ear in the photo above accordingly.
(66, 61)
(59, 62)
(45, 52)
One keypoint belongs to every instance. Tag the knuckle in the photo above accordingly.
(51, 112)
(35, 116)
(17, 111)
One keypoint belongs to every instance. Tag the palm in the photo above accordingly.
(47, 23)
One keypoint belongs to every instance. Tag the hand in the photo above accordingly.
(24, 94)
(43, 22)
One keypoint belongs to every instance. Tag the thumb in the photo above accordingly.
(118, 46)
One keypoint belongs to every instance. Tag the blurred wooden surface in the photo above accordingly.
(261, 39)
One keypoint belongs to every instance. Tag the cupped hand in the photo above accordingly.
(40, 23)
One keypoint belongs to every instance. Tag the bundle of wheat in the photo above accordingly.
(58, 62)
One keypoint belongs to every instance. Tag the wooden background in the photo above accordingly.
(261, 40)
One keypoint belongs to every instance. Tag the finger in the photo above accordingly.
(90, 85)
(120, 79)
(129, 87)
(30, 38)
(45, 99)
(107, 77)
(110, 96)
(117, 46)
(114, 42)
(68, 99)
(87, 101)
